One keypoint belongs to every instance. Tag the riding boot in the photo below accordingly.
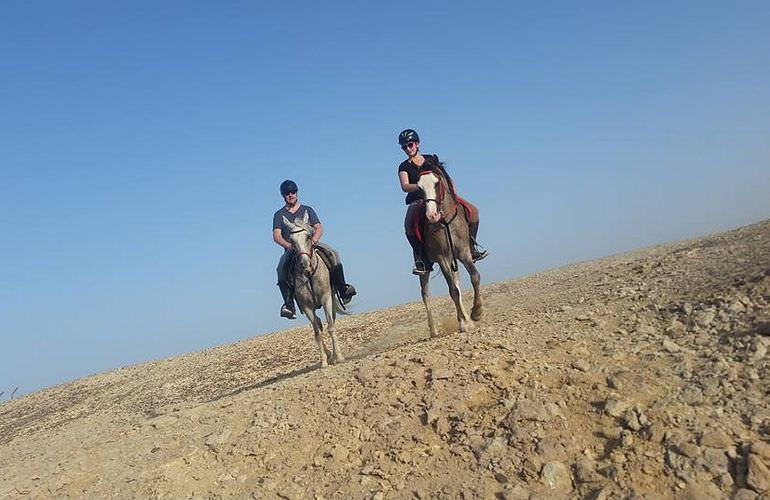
(345, 290)
(477, 253)
(287, 309)
(420, 259)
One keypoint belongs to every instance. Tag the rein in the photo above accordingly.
(310, 256)
(443, 221)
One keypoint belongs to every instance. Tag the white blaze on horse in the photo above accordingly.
(447, 239)
(313, 288)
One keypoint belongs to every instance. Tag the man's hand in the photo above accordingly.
(318, 230)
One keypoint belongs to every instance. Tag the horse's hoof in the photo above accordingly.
(476, 315)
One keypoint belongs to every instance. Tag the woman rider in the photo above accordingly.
(408, 175)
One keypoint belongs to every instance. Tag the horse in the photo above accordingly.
(312, 287)
(446, 239)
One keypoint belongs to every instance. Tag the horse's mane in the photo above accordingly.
(431, 161)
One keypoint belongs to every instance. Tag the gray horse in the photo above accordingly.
(447, 240)
(312, 287)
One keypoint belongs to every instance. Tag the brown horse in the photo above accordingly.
(447, 240)
(312, 287)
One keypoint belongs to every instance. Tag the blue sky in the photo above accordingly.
(143, 144)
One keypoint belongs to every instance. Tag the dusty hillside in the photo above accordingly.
(639, 375)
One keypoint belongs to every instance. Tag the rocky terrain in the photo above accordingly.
(642, 375)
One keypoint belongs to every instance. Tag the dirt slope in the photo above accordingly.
(639, 375)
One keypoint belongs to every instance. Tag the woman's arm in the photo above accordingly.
(403, 177)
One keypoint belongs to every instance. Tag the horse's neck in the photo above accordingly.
(449, 203)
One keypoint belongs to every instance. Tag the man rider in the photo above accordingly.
(291, 210)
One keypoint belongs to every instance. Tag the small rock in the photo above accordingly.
(725, 480)
(700, 490)
(762, 327)
(656, 433)
(645, 329)
(615, 407)
(744, 494)
(611, 433)
(585, 471)
(762, 449)
(670, 346)
(581, 365)
(551, 450)
(759, 351)
(758, 477)
(689, 450)
(715, 461)
(716, 439)
(631, 420)
(556, 476)
(675, 329)
(440, 374)
(704, 318)
(518, 492)
(604, 494)
(692, 396)
(530, 410)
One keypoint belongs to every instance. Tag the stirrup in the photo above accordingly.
(478, 254)
(287, 313)
(348, 293)
(419, 268)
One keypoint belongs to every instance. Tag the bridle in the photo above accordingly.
(309, 254)
(443, 220)
(441, 194)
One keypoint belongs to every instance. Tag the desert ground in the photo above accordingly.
(641, 375)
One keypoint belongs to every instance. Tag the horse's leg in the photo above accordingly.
(315, 321)
(476, 282)
(425, 291)
(453, 283)
(328, 305)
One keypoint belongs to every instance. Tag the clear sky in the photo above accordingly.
(143, 144)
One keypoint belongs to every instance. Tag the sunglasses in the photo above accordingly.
(290, 192)
(408, 145)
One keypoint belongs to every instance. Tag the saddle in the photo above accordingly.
(328, 260)
(418, 219)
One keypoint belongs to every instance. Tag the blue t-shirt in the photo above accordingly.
(312, 219)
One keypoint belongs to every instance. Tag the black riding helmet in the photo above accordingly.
(287, 187)
(407, 136)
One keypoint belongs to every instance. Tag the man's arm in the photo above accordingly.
(278, 238)
(318, 232)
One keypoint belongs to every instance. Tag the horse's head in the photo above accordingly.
(301, 241)
(434, 191)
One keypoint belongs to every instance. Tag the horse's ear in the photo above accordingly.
(306, 217)
(287, 221)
